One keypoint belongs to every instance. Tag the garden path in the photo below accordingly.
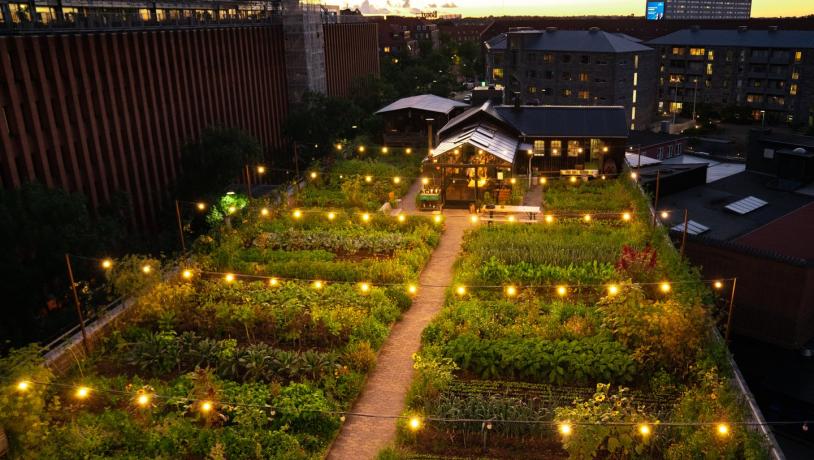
(386, 387)
(534, 197)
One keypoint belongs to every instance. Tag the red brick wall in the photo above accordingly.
(351, 51)
(99, 113)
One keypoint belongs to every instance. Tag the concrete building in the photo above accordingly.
(101, 100)
(570, 67)
(698, 9)
(769, 71)
(461, 31)
(659, 146)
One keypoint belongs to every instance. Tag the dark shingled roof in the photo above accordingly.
(588, 41)
(738, 38)
(552, 120)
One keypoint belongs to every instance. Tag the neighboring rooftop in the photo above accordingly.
(716, 170)
(426, 102)
(790, 235)
(741, 38)
(706, 205)
(647, 138)
(589, 41)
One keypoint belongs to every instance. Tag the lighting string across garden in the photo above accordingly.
(143, 399)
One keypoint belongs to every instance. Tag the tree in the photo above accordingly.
(216, 160)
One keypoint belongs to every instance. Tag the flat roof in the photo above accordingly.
(791, 235)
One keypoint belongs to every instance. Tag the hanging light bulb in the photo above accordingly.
(565, 429)
(511, 291)
(665, 287)
(146, 269)
(626, 216)
(229, 277)
(412, 289)
(613, 289)
(718, 284)
(264, 212)
(187, 274)
(107, 263)
(201, 206)
(273, 282)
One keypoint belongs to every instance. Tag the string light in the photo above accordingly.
(718, 284)
(297, 214)
(408, 151)
(425, 180)
(511, 291)
(603, 177)
(313, 174)
(201, 206)
(402, 218)
(512, 181)
(397, 180)
(206, 406)
(338, 146)
(562, 291)
(107, 263)
(364, 287)
(414, 423)
(331, 215)
(82, 393)
(722, 429)
(186, 274)
(437, 218)
(23, 386)
(412, 289)
(511, 219)
(644, 429)
(317, 284)
(460, 290)
(587, 218)
(143, 399)
(274, 282)
(665, 214)
(264, 212)
(572, 179)
(543, 181)
(473, 218)
(232, 209)
(565, 429)
(613, 289)
(384, 150)
(665, 287)
(368, 179)
(549, 219)
(261, 169)
(147, 269)
(230, 277)
(633, 175)
(626, 216)
(365, 217)
(361, 148)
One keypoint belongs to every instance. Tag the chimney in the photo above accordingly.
(593, 30)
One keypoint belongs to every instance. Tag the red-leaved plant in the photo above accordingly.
(638, 265)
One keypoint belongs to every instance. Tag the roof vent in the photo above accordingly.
(742, 29)
(772, 29)
(594, 30)
(799, 151)
(550, 29)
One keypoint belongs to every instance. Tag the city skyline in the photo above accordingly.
(474, 8)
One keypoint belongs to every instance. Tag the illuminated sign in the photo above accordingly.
(655, 11)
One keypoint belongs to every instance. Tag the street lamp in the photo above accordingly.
(694, 94)
(762, 119)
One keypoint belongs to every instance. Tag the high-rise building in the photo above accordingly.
(698, 9)
(770, 72)
(574, 67)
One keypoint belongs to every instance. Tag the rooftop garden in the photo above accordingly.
(249, 347)
(579, 337)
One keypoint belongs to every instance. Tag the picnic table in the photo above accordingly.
(531, 211)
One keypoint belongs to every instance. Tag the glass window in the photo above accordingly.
(793, 89)
(497, 73)
(798, 56)
(583, 94)
(795, 75)
(565, 58)
(598, 147)
(566, 92)
(583, 76)
(709, 69)
(574, 148)
(548, 58)
(711, 55)
(532, 89)
(678, 51)
(539, 147)
(556, 148)
(19, 12)
(697, 51)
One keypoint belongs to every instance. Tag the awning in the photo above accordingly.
(482, 137)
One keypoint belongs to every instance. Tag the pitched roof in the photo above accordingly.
(589, 41)
(484, 137)
(428, 102)
(551, 120)
(738, 38)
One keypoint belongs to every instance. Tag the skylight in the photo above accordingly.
(746, 205)
(693, 228)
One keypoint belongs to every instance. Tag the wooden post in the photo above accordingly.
(656, 198)
(248, 181)
(731, 308)
(76, 303)
(684, 234)
(297, 161)
(180, 226)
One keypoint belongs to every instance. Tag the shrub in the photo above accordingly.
(127, 277)
(361, 356)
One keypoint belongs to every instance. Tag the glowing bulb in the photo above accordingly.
(603, 177)
(186, 274)
(397, 180)
(364, 287)
(361, 148)
(402, 217)
(644, 429)
(206, 407)
(338, 146)
(274, 282)
(384, 150)
(408, 151)
(425, 180)
(229, 277)
(633, 175)
(561, 291)
(461, 290)
(82, 392)
(232, 209)
(665, 287)
(473, 218)
(143, 400)
(147, 269)
(543, 180)
(565, 429)
(511, 219)
(297, 214)
(512, 180)
(368, 179)
(626, 216)
(587, 218)
(313, 174)
(415, 423)
(511, 291)
(572, 179)
(107, 263)
(201, 206)
(261, 170)
(613, 289)
(331, 215)
(365, 217)
(718, 285)
(722, 429)
(317, 284)
(412, 289)
(665, 214)
(549, 219)
(23, 386)
(437, 218)
(264, 212)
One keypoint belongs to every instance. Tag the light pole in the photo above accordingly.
(429, 136)
(180, 226)
(762, 119)
(76, 303)
(531, 155)
(694, 94)
(731, 308)
(675, 100)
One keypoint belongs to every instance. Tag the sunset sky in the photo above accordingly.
(555, 7)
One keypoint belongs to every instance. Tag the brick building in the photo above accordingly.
(769, 71)
(567, 67)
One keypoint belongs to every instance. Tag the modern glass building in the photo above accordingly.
(698, 9)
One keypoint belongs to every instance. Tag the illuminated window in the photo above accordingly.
(754, 98)
(45, 14)
(497, 73)
(548, 58)
(697, 51)
(19, 13)
(709, 69)
(677, 51)
(674, 78)
(793, 89)
(556, 148)
(583, 94)
(795, 75)
(711, 55)
(566, 92)
(635, 78)
(583, 76)
(574, 148)
(539, 147)
(597, 148)
(798, 56)
(676, 107)
(532, 89)
(386, 49)
(634, 96)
